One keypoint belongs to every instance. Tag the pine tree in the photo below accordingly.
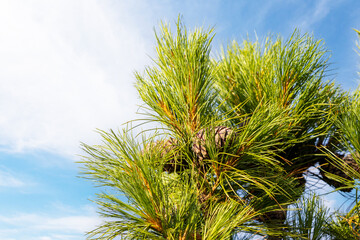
(236, 134)
(346, 226)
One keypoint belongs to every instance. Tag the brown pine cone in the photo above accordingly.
(274, 217)
(221, 137)
(168, 149)
(349, 160)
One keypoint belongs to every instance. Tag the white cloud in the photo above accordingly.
(64, 222)
(45, 238)
(316, 13)
(7, 179)
(58, 237)
(45, 227)
(67, 68)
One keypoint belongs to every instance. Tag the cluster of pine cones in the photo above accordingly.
(221, 136)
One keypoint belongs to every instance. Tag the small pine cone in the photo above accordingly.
(161, 147)
(174, 163)
(274, 217)
(349, 160)
(221, 136)
(198, 145)
(167, 148)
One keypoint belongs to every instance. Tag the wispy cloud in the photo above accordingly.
(76, 224)
(8, 179)
(67, 68)
(315, 12)
(37, 226)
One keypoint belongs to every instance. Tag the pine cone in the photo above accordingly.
(349, 160)
(274, 217)
(167, 149)
(222, 136)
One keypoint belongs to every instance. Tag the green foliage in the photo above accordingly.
(289, 75)
(157, 205)
(179, 88)
(309, 218)
(345, 226)
(237, 134)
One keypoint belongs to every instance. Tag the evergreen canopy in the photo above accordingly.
(236, 135)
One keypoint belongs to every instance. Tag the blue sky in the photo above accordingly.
(67, 69)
